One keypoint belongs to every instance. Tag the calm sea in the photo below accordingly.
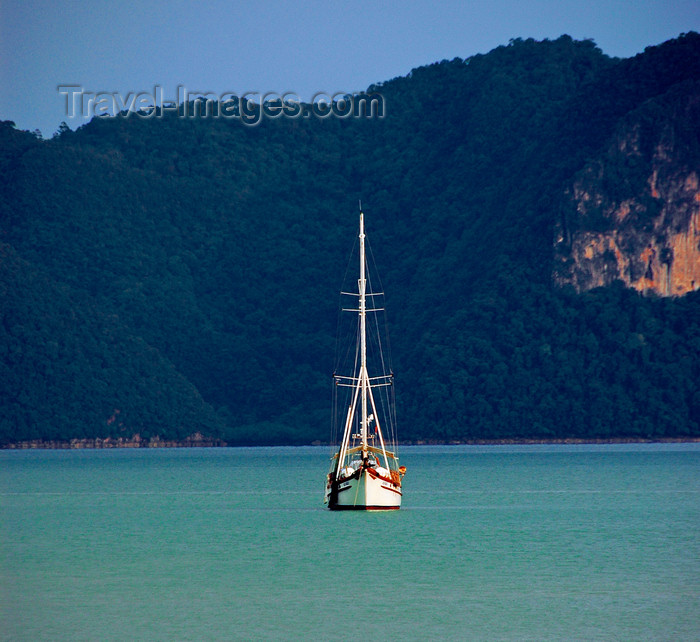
(493, 543)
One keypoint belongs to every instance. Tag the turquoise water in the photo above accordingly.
(492, 543)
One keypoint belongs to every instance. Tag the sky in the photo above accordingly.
(123, 48)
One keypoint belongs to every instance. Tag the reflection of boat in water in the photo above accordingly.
(365, 472)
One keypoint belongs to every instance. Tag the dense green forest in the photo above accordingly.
(169, 276)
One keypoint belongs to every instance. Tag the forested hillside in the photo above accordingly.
(171, 276)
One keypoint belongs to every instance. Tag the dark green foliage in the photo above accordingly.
(543, 364)
(70, 370)
(185, 271)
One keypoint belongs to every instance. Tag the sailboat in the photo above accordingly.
(364, 472)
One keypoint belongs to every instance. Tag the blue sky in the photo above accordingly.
(274, 46)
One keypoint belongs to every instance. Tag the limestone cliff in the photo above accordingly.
(634, 213)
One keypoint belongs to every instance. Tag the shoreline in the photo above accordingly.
(198, 441)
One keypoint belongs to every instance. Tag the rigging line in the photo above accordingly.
(350, 261)
(377, 332)
(373, 263)
(378, 428)
(334, 396)
(381, 288)
(381, 351)
(384, 396)
(346, 341)
(391, 411)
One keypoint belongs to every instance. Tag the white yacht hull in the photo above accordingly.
(366, 491)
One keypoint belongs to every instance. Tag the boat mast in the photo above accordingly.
(364, 382)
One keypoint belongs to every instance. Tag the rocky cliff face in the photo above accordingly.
(634, 214)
